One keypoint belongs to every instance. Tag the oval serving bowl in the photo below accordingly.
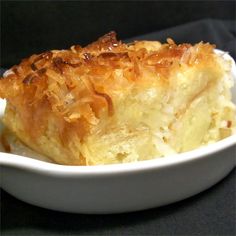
(118, 188)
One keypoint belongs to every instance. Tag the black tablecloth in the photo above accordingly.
(212, 212)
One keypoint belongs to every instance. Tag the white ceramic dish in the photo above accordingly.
(119, 187)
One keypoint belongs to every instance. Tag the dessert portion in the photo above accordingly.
(11, 144)
(111, 102)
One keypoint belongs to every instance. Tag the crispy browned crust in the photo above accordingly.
(77, 84)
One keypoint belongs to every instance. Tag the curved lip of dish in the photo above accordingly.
(27, 163)
(42, 167)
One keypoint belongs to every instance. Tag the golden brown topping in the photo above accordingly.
(46, 56)
(30, 78)
(79, 83)
(41, 71)
(229, 123)
(87, 56)
(6, 146)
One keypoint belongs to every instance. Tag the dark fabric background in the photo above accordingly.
(28, 28)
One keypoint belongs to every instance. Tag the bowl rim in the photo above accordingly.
(27, 163)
